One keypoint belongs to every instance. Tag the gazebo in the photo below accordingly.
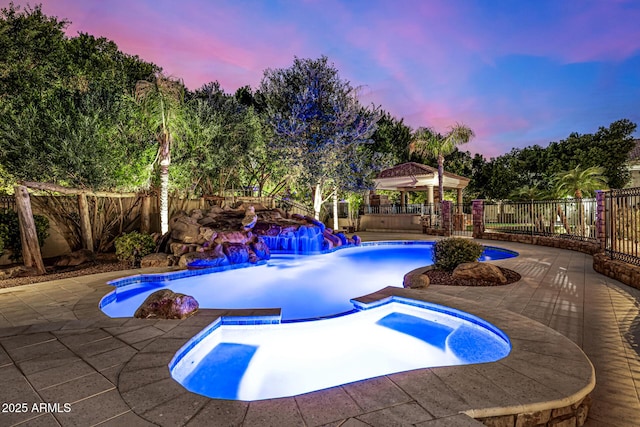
(406, 177)
(418, 177)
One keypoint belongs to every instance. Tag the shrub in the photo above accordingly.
(451, 252)
(10, 232)
(133, 246)
(1, 246)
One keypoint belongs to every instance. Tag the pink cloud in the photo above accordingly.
(198, 46)
(418, 60)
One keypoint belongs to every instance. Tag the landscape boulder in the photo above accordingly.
(415, 281)
(17, 271)
(260, 248)
(211, 258)
(155, 260)
(184, 228)
(479, 270)
(237, 253)
(166, 304)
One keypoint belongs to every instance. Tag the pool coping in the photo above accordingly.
(545, 371)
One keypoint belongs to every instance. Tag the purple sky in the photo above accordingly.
(517, 72)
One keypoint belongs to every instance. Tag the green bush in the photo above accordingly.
(10, 232)
(451, 252)
(133, 246)
(1, 246)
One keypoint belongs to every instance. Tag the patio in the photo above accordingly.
(57, 346)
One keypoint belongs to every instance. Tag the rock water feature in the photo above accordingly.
(247, 234)
(223, 237)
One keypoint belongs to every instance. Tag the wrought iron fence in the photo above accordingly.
(622, 225)
(566, 218)
(414, 209)
(8, 203)
(431, 216)
(462, 220)
(343, 209)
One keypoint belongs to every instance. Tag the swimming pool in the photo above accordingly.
(303, 286)
(264, 361)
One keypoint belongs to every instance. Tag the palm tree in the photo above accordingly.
(427, 142)
(526, 193)
(577, 182)
(162, 99)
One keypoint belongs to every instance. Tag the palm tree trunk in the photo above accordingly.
(164, 196)
(440, 177)
(317, 201)
(581, 213)
(563, 218)
(335, 207)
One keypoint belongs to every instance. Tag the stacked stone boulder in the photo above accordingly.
(224, 236)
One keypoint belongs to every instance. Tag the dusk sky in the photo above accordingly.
(518, 72)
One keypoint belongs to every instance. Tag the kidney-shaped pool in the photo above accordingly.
(303, 286)
(323, 337)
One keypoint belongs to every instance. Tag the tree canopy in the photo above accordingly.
(536, 167)
(427, 142)
(68, 115)
(318, 122)
(62, 114)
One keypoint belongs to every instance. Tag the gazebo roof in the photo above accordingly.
(417, 177)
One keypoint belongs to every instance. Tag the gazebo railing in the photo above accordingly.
(411, 209)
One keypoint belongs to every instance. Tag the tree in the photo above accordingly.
(526, 193)
(608, 148)
(317, 121)
(218, 140)
(392, 136)
(576, 183)
(427, 142)
(162, 99)
(63, 116)
(579, 181)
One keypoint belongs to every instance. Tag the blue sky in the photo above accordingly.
(517, 72)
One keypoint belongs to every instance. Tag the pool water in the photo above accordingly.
(303, 286)
(264, 361)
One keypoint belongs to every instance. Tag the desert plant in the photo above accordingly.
(10, 232)
(451, 252)
(133, 246)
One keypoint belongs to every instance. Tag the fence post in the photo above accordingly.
(601, 213)
(145, 214)
(478, 218)
(31, 254)
(446, 217)
(85, 222)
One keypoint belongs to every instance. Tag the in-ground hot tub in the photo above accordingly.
(258, 358)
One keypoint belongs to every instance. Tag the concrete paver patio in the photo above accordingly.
(56, 346)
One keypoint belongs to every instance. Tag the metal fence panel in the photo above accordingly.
(622, 226)
(462, 220)
(412, 209)
(7, 203)
(566, 218)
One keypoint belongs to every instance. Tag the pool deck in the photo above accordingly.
(56, 346)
